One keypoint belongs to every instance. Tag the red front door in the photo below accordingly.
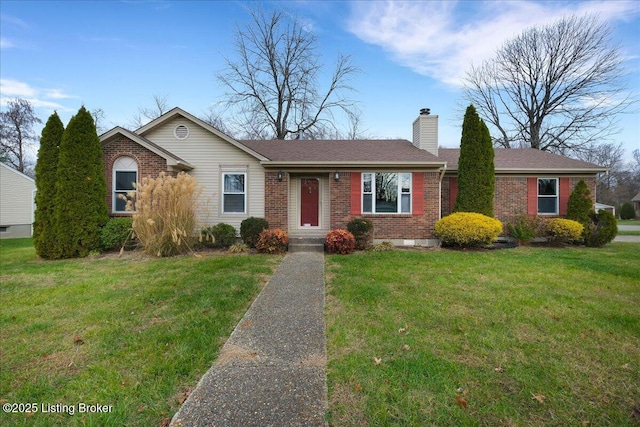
(309, 202)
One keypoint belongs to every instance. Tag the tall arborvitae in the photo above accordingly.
(44, 238)
(81, 207)
(476, 172)
(580, 204)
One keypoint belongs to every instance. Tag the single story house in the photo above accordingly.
(636, 204)
(17, 194)
(309, 187)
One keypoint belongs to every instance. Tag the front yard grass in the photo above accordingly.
(517, 337)
(135, 333)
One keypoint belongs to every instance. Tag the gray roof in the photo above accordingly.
(334, 152)
(524, 159)
(636, 198)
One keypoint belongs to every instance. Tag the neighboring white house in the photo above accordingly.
(17, 192)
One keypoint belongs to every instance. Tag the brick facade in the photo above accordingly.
(389, 226)
(149, 163)
(276, 200)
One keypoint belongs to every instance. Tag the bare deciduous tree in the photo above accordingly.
(275, 81)
(555, 88)
(98, 118)
(145, 115)
(17, 136)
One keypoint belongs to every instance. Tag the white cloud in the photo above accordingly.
(5, 43)
(442, 39)
(39, 98)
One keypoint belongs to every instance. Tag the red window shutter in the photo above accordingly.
(532, 196)
(417, 182)
(565, 191)
(453, 193)
(355, 193)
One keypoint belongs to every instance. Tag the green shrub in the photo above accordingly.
(251, 228)
(238, 248)
(467, 229)
(117, 233)
(220, 235)
(627, 211)
(340, 241)
(273, 241)
(524, 228)
(580, 203)
(561, 230)
(602, 229)
(362, 230)
(385, 246)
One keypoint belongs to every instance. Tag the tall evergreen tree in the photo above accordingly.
(80, 202)
(476, 172)
(44, 237)
(580, 204)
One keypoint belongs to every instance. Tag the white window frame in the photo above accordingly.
(224, 193)
(115, 191)
(546, 196)
(372, 193)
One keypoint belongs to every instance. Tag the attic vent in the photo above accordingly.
(181, 132)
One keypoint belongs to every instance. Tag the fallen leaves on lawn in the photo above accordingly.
(184, 396)
(77, 340)
(539, 397)
(358, 387)
(461, 401)
(406, 347)
(499, 369)
(377, 360)
(165, 422)
(403, 330)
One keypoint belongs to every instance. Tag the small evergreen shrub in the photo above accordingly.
(362, 230)
(580, 203)
(385, 246)
(601, 230)
(561, 230)
(627, 212)
(117, 233)
(251, 228)
(165, 218)
(224, 235)
(467, 229)
(238, 248)
(340, 241)
(524, 228)
(273, 241)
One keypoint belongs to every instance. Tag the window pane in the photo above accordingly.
(406, 203)
(120, 203)
(125, 180)
(366, 203)
(547, 205)
(366, 183)
(405, 182)
(233, 203)
(387, 192)
(234, 183)
(547, 187)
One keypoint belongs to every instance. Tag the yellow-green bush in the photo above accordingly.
(563, 230)
(466, 229)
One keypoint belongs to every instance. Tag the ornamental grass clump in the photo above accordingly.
(340, 241)
(561, 230)
(165, 213)
(273, 241)
(467, 229)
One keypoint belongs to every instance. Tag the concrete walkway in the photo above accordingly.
(628, 239)
(271, 371)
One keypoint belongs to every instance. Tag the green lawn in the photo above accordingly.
(516, 337)
(134, 333)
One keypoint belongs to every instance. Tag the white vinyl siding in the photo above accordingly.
(211, 156)
(16, 200)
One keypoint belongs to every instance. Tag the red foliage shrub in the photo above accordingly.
(340, 241)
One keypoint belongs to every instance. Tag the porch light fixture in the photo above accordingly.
(280, 175)
(336, 176)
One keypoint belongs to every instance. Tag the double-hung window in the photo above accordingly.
(234, 192)
(548, 196)
(386, 192)
(125, 177)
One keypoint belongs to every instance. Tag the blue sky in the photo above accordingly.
(116, 55)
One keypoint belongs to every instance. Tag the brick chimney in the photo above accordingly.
(425, 131)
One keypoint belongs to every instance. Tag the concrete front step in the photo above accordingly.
(306, 244)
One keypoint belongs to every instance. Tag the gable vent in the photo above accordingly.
(181, 132)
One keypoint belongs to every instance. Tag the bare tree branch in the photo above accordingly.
(274, 80)
(555, 88)
(17, 136)
(145, 115)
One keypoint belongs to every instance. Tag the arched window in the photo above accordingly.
(125, 175)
